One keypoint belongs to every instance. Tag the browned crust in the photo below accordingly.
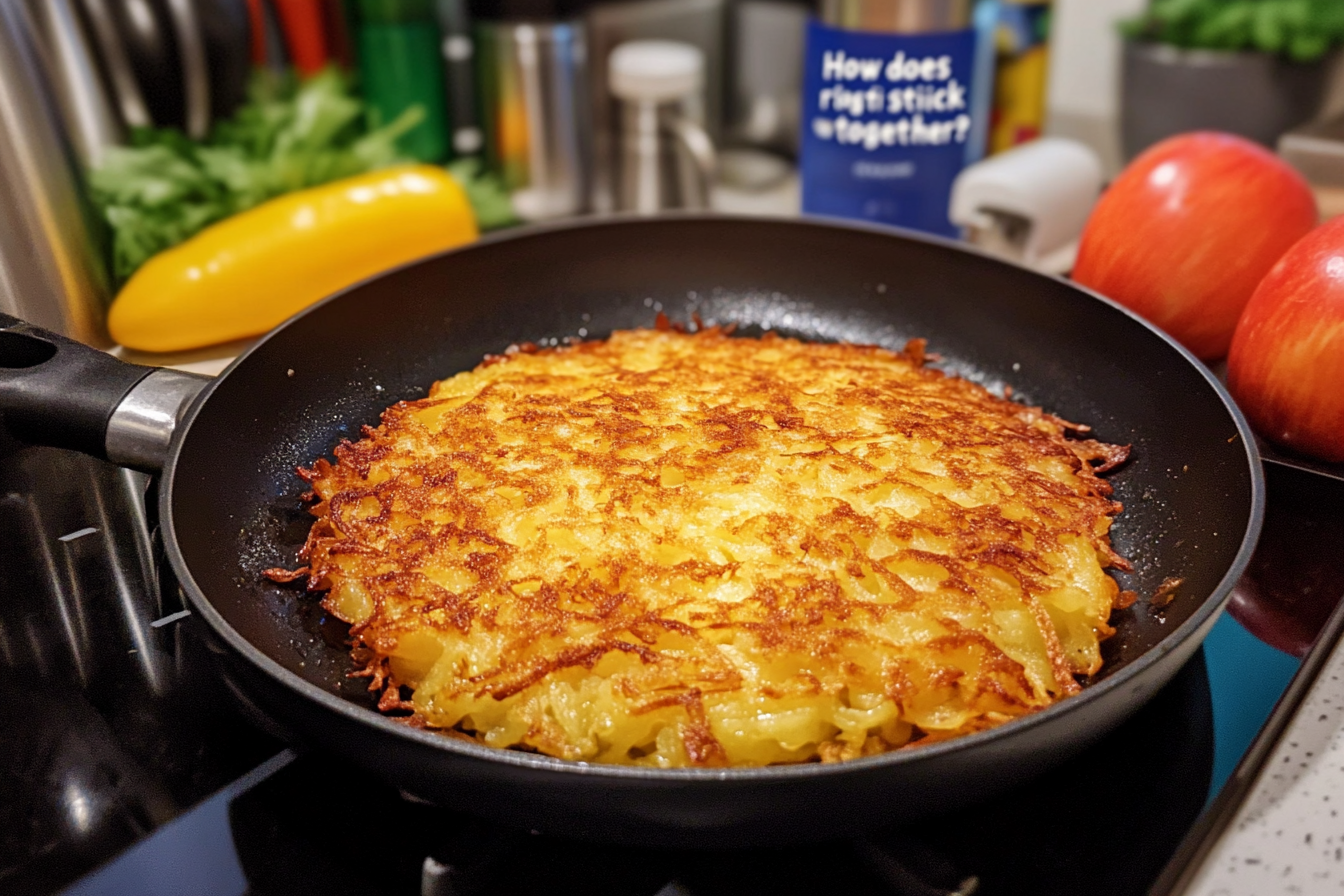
(434, 513)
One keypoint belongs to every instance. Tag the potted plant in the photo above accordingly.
(1250, 67)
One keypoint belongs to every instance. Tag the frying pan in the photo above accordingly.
(229, 508)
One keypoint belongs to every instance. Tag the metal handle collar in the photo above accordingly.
(140, 430)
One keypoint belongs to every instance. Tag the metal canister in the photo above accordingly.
(52, 266)
(72, 70)
(534, 80)
(897, 16)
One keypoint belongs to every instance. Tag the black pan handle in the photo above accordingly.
(64, 394)
(58, 392)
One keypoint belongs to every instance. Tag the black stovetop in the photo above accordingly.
(128, 768)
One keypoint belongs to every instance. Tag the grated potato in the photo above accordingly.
(681, 549)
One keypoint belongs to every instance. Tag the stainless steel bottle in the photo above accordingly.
(52, 268)
(72, 69)
(534, 79)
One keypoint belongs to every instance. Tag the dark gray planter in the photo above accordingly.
(1167, 90)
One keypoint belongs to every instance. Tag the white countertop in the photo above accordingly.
(1288, 836)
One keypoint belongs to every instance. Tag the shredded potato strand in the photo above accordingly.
(690, 549)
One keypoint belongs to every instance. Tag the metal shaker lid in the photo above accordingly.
(655, 70)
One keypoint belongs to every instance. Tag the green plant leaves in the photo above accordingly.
(1227, 28)
(489, 198)
(164, 188)
(1302, 30)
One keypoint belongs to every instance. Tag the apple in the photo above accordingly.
(1286, 368)
(1186, 232)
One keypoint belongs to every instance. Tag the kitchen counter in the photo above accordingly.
(1288, 837)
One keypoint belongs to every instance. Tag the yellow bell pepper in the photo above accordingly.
(248, 273)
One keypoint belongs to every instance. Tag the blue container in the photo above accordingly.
(890, 120)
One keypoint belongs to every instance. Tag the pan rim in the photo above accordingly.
(1203, 615)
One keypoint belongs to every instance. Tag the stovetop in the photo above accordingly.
(1102, 824)
(126, 766)
(112, 724)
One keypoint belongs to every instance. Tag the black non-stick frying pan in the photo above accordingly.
(229, 508)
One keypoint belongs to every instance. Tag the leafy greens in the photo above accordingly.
(489, 198)
(164, 187)
(1302, 30)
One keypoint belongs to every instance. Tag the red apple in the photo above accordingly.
(1185, 233)
(1286, 369)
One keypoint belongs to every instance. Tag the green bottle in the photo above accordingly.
(397, 46)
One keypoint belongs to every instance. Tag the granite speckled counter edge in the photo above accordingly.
(1288, 835)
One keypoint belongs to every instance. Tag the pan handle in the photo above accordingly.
(64, 394)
